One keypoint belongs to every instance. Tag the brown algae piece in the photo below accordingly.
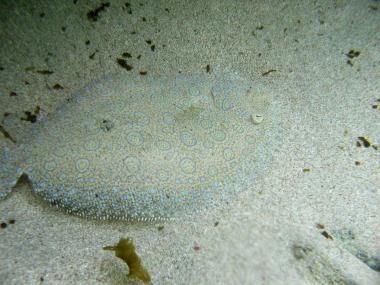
(44, 72)
(6, 134)
(363, 140)
(353, 53)
(123, 63)
(93, 15)
(268, 72)
(31, 116)
(127, 252)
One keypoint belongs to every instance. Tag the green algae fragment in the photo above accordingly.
(127, 252)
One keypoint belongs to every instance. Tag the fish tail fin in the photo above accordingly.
(9, 170)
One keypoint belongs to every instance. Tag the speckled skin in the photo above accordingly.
(146, 148)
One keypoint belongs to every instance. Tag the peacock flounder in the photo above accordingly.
(146, 147)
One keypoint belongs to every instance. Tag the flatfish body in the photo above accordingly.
(146, 147)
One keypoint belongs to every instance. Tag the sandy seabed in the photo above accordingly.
(312, 218)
